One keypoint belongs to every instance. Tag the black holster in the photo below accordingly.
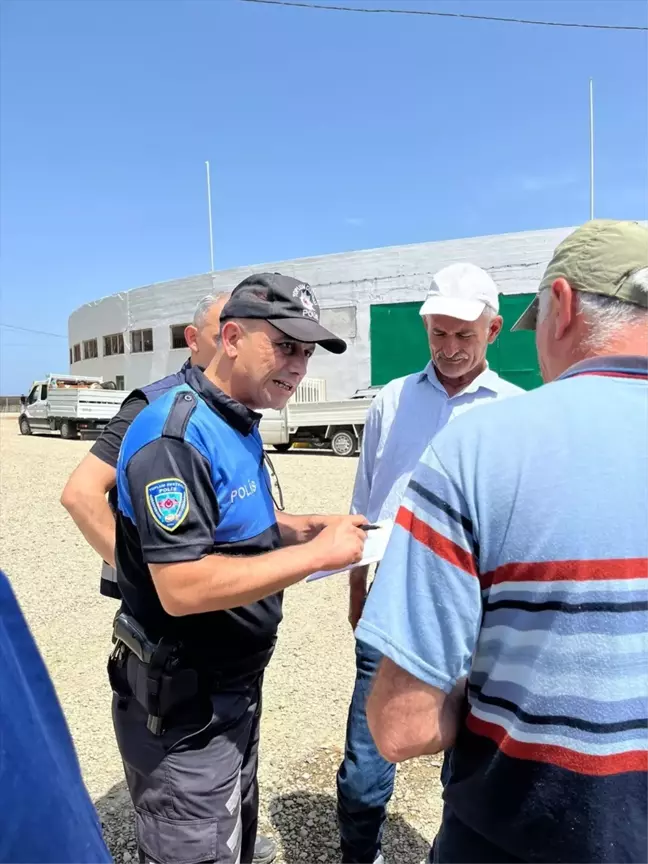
(152, 672)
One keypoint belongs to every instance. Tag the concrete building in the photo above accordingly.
(370, 298)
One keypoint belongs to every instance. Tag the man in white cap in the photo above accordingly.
(461, 318)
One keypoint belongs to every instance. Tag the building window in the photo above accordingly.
(177, 336)
(90, 350)
(71, 360)
(141, 340)
(119, 382)
(77, 353)
(113, 344)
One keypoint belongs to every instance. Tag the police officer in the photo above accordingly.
(203, 553)
(84, 495)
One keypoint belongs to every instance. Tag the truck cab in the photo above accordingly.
(34, 409)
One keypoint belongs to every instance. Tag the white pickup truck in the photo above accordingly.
(74, 405)
(310, 419)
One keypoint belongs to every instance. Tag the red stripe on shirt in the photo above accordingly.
(579, 763)
(439, 544)
(574, 571)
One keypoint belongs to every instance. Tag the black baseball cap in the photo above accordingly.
(288, 304)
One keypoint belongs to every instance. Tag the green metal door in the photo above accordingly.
(513, 356)
(399, 344)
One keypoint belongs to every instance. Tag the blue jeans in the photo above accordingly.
(365, 781)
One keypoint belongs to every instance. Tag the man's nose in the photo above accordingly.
(298, 364)
(450, 347)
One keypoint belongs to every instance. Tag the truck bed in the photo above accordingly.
(345, 412)
(84, 404)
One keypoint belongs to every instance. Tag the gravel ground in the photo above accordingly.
(308, 684)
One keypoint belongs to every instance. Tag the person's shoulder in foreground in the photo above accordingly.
(492, 475)
(47, 815)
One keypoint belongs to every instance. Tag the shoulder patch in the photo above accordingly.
(168, 502)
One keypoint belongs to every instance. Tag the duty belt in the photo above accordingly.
(161, 677)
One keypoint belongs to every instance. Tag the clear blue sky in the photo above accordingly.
(326, 131)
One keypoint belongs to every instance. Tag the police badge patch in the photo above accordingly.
(168, 502)
(310, 307)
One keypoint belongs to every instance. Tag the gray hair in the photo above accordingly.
(606, 316)
(204, 305)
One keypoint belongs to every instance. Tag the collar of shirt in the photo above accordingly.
(239, 416)
(612, 365)
(485, 380)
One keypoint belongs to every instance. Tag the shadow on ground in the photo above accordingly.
(305, 825)
(118, 823)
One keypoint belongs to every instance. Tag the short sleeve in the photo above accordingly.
(106, 447)
(172, 501)
(424, 608)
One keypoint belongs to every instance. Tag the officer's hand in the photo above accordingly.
(341, 544)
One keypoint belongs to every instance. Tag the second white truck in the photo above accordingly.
(310, 419)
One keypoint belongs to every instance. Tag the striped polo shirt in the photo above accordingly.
(520, 559)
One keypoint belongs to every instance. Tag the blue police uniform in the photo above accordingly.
(192, 481)
(107, 447)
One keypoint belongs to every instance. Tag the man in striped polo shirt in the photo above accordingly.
(511, 604)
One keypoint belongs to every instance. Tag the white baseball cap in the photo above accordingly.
(461, 291)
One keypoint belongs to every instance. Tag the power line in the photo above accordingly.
(298, 5)
(31, 330)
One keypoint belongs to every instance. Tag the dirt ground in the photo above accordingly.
(307, 687)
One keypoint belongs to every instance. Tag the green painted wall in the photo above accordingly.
(399, 344)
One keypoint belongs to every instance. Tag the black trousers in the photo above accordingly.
(194, 788)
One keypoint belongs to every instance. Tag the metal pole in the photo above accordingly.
(209, 206)
(591, 113)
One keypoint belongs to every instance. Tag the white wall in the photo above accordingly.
(389, 275)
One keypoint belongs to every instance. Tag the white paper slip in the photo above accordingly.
(374, 549)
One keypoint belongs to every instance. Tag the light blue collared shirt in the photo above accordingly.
(402, 420)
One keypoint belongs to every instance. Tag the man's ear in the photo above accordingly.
(230, 337)
(494, 328)
(563, 300)
(190, 334)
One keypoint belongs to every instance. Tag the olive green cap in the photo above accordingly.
(597, 258)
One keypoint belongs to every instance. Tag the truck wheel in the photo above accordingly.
(25, 428)
(282, 448)
(68, 429)
(344, 443)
